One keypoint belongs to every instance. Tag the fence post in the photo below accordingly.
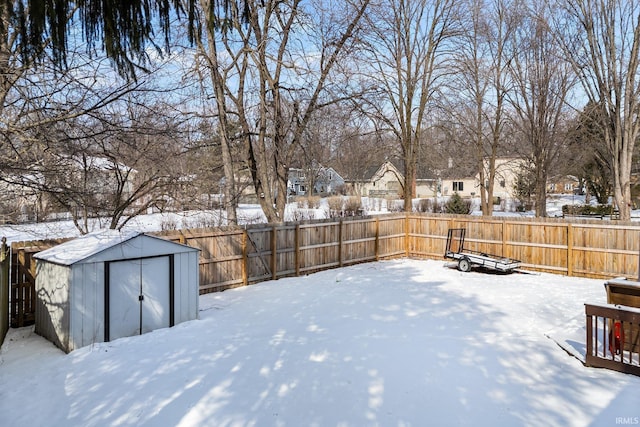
(406, 234)
(377, 241)
(245, 258)
(274, 252)
(340, 242)
(569, 250)
(5, 260)
(297, 249)
(504, 240)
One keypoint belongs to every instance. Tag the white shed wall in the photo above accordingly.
(87, 305)
(53, 310)
(187, 289)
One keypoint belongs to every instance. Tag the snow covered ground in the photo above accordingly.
(394, 343)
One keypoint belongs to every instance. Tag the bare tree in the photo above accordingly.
(468, 102)
(219, 73)
(94, 145)
(405, 57)
(601, 38)
(542, 81)
(478, 91)
(276, 76)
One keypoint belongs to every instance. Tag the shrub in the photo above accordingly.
(352, 206)
(587, 210)
(298, 215)
(313, 202)
(335, 206)
(457, 205)
(394, 205)
(344, 206)
(168, 224)
(423, 205)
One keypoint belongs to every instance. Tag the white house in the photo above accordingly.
(385, 180)
(507, 171)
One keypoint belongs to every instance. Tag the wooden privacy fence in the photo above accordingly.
(241, 256)
(232, 257)
(5, 261)
(237, 257)
(583, 248)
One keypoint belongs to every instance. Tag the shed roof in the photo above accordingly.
(91, 244)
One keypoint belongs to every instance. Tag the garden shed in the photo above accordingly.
(110, 284)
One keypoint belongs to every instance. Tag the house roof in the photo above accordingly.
(422, 172)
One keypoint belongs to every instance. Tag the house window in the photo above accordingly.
(568, 187)
(458, 186)
(552, 187)
(503, 184)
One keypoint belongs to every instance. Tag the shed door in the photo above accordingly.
(139, 296)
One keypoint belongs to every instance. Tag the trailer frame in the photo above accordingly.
(467, 259)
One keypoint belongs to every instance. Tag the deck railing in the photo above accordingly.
(613, 337)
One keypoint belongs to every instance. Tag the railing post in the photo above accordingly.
(589, 336)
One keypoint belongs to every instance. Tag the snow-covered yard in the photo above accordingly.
(394, 343)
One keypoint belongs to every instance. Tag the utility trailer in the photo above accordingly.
(468, 259)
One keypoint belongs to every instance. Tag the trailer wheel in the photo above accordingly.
(464, 265)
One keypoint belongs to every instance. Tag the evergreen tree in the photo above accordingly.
(457, 205)
(123, 30)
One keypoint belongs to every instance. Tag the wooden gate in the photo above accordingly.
(4, 289)
(23, 280)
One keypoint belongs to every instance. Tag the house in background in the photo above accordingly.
(297, 182)
(458, 180)
(322, 180)
(507, 171)
(566, 184)
(328, 181)
(466, 180)
(385, 180)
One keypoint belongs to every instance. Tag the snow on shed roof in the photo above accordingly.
(75, 250)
